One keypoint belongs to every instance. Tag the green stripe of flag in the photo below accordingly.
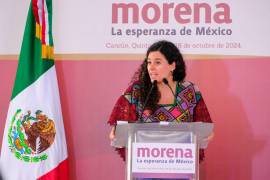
(31, 65)
(49, 7)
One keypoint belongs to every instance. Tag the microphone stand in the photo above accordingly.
(165, 81)
(146, 100)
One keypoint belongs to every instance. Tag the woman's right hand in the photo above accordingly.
(112, 133)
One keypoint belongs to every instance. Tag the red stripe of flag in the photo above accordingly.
(43, 23)
(59, 172)
(35, 10)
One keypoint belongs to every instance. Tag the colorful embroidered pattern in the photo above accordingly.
(187, 97)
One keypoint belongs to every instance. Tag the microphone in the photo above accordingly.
(165, 81)
(154, 83)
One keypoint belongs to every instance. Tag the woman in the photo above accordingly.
(171, 99)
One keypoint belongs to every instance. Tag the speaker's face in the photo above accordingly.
(158, 67)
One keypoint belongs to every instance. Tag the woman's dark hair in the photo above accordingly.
(172, 54)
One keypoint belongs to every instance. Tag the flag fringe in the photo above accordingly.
(47, 52)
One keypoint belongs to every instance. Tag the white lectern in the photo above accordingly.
(162, 150)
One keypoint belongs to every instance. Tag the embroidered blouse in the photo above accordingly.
(189, 106)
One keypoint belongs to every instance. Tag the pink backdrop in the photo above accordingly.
(235, 90)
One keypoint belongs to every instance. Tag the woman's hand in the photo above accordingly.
(210, 137)
(112, 133)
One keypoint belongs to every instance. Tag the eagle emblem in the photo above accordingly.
(29, 136)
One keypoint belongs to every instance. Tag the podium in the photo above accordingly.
(165, 150)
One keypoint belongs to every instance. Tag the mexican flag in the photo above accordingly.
(34, 143)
